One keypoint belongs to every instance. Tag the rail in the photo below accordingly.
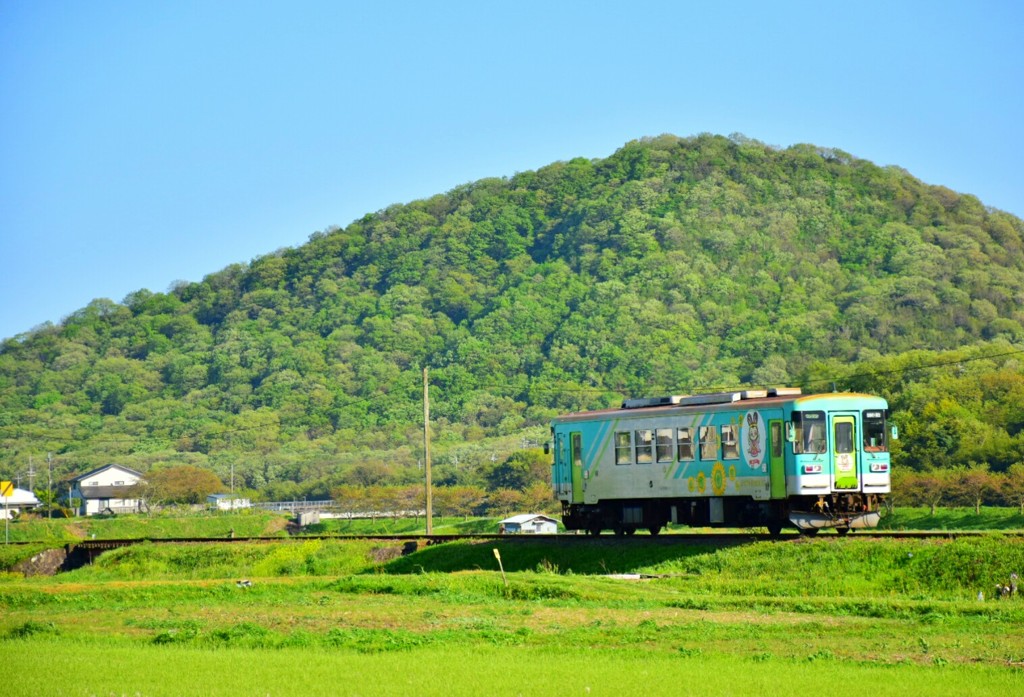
(702, 538)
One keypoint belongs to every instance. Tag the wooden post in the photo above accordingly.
(426, 452)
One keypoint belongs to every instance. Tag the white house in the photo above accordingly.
(529, 524)
(19, 500)
(108, 490)
(227, 502)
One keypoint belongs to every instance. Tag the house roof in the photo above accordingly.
(19, 497)
(93, 473)
(524, 518)
(107, 492)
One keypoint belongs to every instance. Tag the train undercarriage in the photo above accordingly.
(808, 514)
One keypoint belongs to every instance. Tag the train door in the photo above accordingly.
(576, 460)
(561, 474)
(776, 462)
(844, 452)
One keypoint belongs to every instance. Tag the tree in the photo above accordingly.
(465, 499)
(538, 498)
(922, 488)
(521, 469)
(973, 484)
(183, 484)
(1013, 485)
(350, 498)
(369, 474)
(504, 501)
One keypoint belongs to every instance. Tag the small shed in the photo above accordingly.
(227, 502)
(529, 524)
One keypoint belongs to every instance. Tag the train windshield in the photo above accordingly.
(874, 431)
(810, 432)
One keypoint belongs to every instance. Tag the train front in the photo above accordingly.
(838, 476)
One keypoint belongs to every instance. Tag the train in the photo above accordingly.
(774, 458)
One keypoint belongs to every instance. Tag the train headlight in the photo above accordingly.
(812, 469)
(879, 467)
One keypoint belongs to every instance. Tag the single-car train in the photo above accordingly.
(774, 458)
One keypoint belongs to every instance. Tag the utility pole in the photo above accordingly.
(49, 485)
(31, 475)
(426, 451)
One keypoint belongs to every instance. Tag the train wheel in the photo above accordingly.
(842, 531)
(594, 529)
(630, 530)
(654, 530)
(809, 532)
(775, 529)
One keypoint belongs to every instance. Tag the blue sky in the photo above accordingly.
(143, 143)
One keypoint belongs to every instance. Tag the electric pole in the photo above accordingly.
(49, 485)
(426, 451)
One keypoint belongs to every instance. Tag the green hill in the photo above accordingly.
(674, 265)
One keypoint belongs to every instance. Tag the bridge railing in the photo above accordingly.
(331, 507)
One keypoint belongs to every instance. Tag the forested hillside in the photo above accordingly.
(676, 265)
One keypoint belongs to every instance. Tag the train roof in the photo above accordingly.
(718, 401)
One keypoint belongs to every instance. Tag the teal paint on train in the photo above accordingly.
(758, 448)
(745, 472)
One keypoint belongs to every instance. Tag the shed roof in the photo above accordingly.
(524, 518)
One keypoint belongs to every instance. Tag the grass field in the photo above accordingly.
(157, 671)
(360, 617)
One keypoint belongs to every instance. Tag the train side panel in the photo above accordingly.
(815, 461)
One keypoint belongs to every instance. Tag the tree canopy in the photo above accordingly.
(676, 265)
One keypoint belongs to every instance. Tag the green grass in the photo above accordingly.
(402, 526)
(248, 523)
(50, 667)
(351, 617)
(953, 519)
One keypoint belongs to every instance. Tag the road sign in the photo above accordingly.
(6, 489)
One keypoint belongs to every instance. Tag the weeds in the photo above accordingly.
(33, 628)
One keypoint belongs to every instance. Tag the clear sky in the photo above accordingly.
(143, 143)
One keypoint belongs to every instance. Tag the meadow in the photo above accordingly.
(605, 616)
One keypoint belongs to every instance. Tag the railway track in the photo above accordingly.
(699, 538)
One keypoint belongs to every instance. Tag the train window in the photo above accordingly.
(874, 431)
(810, 432)
(644, 447)
(844, 437)
(685, 444)
(664, 445)
(730, 447)
(623, 448)
(776, 439)
(708, 443)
